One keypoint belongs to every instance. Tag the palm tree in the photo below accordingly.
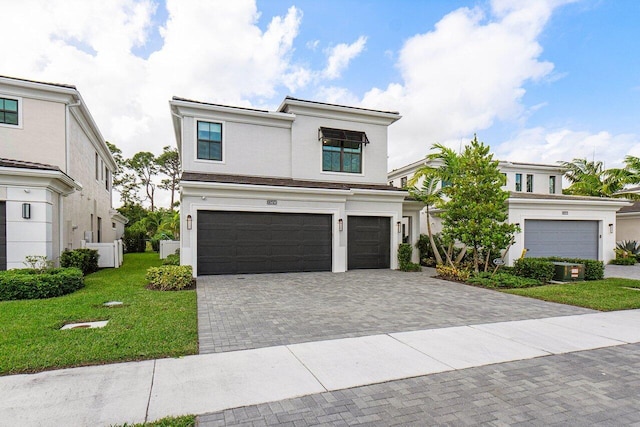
(430, 194)
(591, 179)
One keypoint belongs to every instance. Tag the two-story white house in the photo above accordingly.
(303, 188)
(551, 224)
(55, 173)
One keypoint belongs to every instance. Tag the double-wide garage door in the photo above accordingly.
(262, 242)
(569, 239)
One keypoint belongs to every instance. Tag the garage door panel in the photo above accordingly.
(258, 242)
(569, 238)
(368, 242)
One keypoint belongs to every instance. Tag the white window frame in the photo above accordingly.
(20, 117)
(195, 140)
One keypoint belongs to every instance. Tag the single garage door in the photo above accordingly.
(569, 239)
(262, 242)
(3, 235)
(369, 242)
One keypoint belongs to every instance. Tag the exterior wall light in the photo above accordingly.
(340, 226)
(611, 228)
(399, 224)
(189, 222)
(26, 210)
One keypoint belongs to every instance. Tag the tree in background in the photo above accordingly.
(430, 194)
(169, 164)
(144, 165)
(592, 179)
(476, 211)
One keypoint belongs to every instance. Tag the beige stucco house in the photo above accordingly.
(551, 224)
(302, 188)
(55, 173)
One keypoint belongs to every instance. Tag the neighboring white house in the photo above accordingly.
(551, 224)
(303, 188)
(55, 173)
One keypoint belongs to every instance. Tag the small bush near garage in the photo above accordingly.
(134, 240)
(452, 273)
(593, 270)
(173, 259)
(84, 259)
(35, 284)
(624, 261)
(538, 269)
(170, 278)
(502, 281)
(404, 258)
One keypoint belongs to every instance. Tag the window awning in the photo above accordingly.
(342, 135)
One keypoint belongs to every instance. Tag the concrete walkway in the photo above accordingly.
(139, 391)
(622, 271)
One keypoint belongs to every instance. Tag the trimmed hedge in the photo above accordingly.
(534, 268)
(31, 284)
(502, 281)
(405, 250)
(134, 240)
(169, 277)
(624, 261)
(84, 259)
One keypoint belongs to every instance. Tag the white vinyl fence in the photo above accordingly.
(168, 247)
(111, 254)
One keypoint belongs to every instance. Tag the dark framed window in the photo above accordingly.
(341, 156)
(403, 181)
(552, 185)
(518, 182)
(9, 111)
(209, 141)
(529, 183)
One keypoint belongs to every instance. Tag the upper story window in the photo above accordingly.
(552, 185)
(529, 183)
(209, 141)
(342, 150)
(9, 111)
(403, 181)
(518, 182)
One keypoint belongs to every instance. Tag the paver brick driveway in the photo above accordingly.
(239, 312)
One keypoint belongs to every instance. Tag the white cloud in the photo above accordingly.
(464, 75)
(340, 55)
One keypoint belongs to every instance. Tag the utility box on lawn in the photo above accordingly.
(568, 272)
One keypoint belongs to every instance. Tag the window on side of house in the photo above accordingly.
(342, 150)
(9, 111)
(552, 185)
(107, 178)
(518, 182)
(529, 183)
(99, 230)
(403, 181)
(209, 141)
(97, 168)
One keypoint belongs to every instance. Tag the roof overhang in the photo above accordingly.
(51, 179)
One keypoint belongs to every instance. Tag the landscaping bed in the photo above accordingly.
(149, 324)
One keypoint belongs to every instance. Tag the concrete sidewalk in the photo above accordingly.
(148, 390)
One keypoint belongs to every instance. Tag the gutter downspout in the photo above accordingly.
(67, 154)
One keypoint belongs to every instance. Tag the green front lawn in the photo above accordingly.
(151, 324)
(604, 295)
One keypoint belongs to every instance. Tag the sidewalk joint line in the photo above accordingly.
(153, 375)
(307, 368)
(419, 351)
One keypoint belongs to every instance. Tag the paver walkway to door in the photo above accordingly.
(240, 312)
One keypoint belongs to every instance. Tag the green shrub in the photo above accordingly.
(31, 284)
(593, 269)
(404, 258)
(624, 261)
(502, 280)
(534, 268)
(84, 259)
(134, 240)
(452, 273)
(173, 259)
(169, 277)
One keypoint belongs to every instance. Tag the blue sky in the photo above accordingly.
(539, 81)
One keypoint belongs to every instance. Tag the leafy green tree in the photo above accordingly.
(124, 180)
(589, 178)
(430, 194)
(169, 164)
(476, 211)
(144, 165)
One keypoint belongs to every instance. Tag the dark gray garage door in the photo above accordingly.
(3, 235)
(368, 242)
(570, 239)
(262, 242)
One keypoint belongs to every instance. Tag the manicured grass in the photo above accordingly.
(151, 324)
(605, 295)
(184, 421)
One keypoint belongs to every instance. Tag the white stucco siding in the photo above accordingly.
(307, 150)
(258, 149)
(40, 137)
(94, 198)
